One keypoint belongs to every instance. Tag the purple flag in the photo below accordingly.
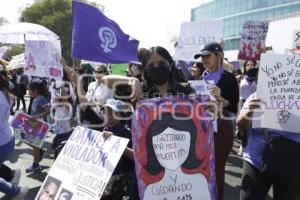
(97, 38)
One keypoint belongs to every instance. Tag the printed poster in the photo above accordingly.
(43, 59)
(84, 166)
(174, 150)
(253, 40)
(193, 37)
(29, 130)
(279, 88)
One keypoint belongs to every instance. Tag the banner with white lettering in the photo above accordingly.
(279, 88)
(174, 151)
(253, 40)
(84, 166)
(43, 58)
(193, 37)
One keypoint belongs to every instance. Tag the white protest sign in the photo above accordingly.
(279, 88)
(194, 35)
(296, 41)
(84, 166)
(43, 58)
(203, 88)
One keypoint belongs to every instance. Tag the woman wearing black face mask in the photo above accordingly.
(247, 87)
(158, 68)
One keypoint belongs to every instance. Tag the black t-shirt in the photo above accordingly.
(229, 90)
(174, 89)
(125, 164)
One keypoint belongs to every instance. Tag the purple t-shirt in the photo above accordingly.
(215, 76)
(256, 142)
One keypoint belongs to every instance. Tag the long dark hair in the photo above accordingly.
(40, 88)
(163, 53)
(4, 85)
(245, 63)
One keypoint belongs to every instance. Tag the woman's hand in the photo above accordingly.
(216, 92)
(35, 117)
(244, 119)
(212, 107)
(137, 88)
(254, 104)
(107, 134)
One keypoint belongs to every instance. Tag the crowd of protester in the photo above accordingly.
(95, 99)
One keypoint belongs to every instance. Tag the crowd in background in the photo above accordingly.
(94, 100)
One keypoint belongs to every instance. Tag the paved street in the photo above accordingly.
(22, 158)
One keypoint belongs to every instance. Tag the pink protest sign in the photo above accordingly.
(29, 130)
(253, 40)
(174, 151)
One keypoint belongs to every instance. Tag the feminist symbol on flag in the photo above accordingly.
(108, 39)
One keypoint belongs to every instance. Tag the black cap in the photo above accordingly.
(209, 48)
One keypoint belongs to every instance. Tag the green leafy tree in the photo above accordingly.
(15, 50)
(3, 21)
(56, 15)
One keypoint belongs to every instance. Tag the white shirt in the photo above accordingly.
(6, 134)
(99, 93)
(247, 88)
(62, 120)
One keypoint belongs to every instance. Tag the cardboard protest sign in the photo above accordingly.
(174, 151)
(193, 37)
(43, 58)
(279, 88)
(203, 88)
(296, 41)
(253, 40)
(85, 164)
(28, 130)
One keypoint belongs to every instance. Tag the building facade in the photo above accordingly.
(234, 13)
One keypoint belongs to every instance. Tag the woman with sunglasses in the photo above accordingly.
(98, 92)
(226, 92)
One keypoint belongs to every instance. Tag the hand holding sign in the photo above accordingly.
(278, 87)
(85, 164)
(107, 134)
(30, 129)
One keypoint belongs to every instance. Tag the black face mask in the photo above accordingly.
(158, 75)
(252, 73)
